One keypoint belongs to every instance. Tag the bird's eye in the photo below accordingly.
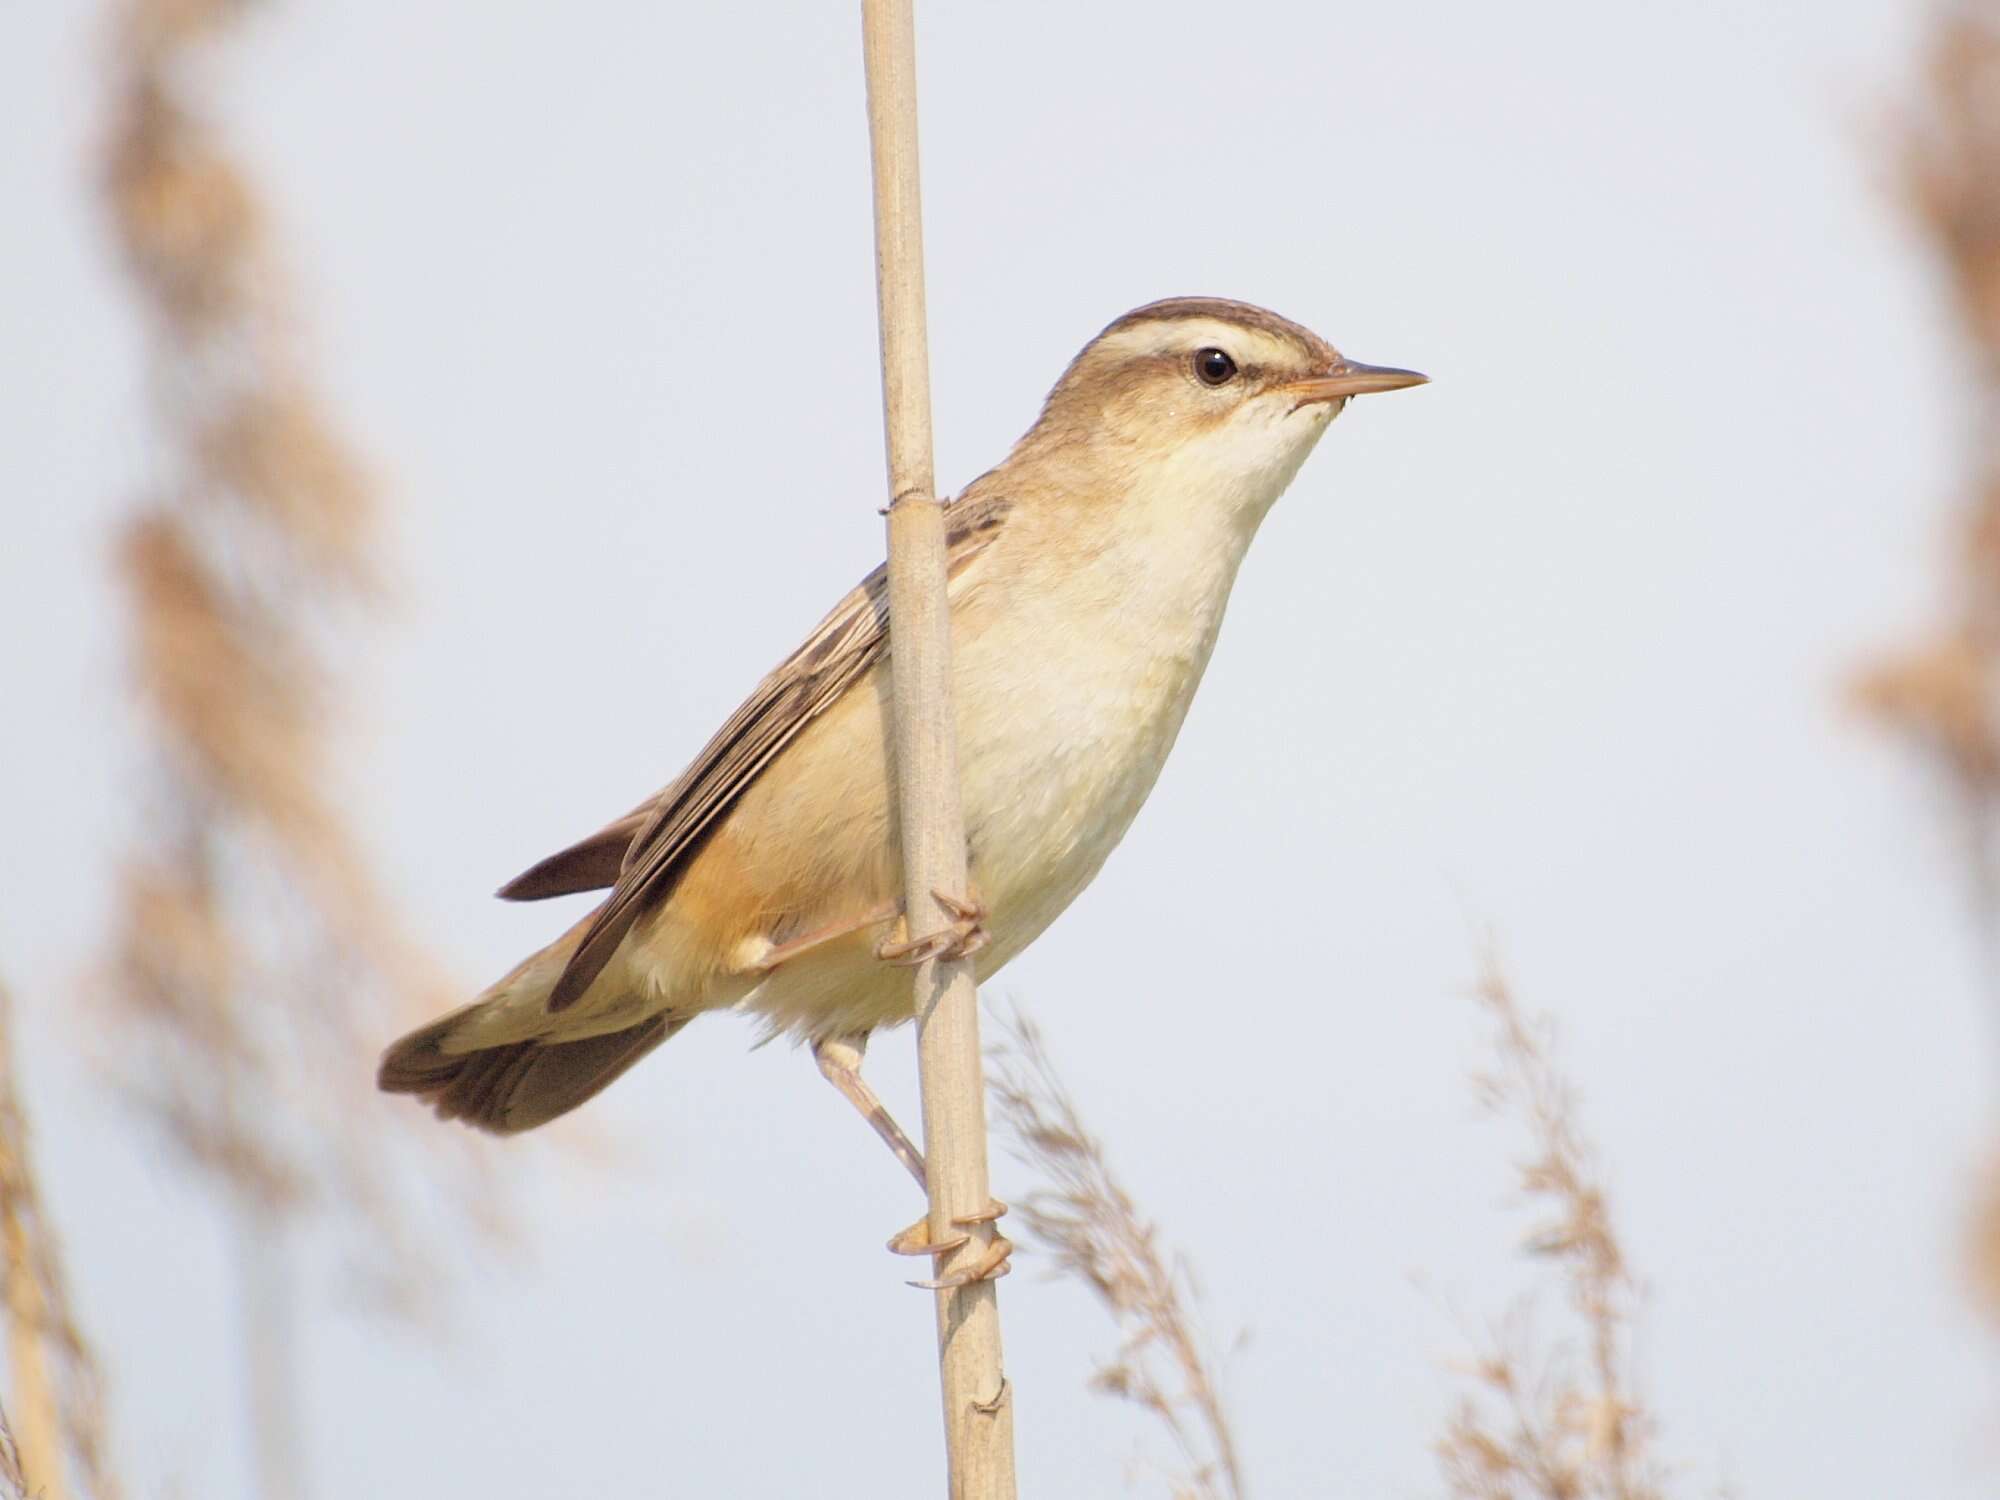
(1213, 367)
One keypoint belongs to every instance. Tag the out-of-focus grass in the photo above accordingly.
(1555, 1422)
(56, 1443)
(257, 965)
(1085, 1219)
(1942, 694)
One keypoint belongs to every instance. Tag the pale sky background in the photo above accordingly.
(1554, 646)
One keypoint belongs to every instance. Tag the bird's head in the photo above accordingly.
(1201, 399)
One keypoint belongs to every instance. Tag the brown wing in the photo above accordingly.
(846, 644)
(590, 864)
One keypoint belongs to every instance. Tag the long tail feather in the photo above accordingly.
(517, 1085)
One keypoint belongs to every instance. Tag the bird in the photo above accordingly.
(1087, 578)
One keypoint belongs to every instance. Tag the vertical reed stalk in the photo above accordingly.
(37, 1428)
(267, 1314)
(55, 1447)
(978, 1408)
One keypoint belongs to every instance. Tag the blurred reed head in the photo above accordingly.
(257, 962)
(1939, 694)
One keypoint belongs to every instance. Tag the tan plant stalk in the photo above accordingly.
(1550, 1425)
(256, 966)
(1088, 1225)
(978, 1403)
(58, 1447)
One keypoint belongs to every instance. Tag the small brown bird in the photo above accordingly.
(1088, 575)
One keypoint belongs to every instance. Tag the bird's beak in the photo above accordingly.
(1351, 379)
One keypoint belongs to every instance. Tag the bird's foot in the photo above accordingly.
(995, 1263)
(964, 937)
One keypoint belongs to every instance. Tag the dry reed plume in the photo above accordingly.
(1539, 1425)
(1940, 693)
(1943, 695)
(256, 966)
(1553, 1425)
(54, 1390)
(1087, 1222)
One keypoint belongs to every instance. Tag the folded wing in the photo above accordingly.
(654, 842)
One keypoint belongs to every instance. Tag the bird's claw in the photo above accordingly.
(995, 1263)
(965, 937)
(916, 1240)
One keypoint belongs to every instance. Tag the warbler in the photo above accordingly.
(1088, 574)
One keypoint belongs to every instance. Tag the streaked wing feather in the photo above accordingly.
(590, 864)
(839, 652)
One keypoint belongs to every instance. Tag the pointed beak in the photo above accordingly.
(1351, 379)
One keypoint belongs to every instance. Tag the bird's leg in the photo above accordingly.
(887, 912)
(839, 1059)
(964, 937)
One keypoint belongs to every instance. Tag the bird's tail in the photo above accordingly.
(501, 1064)
(516, 1085)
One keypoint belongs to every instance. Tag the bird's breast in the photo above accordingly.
(1070, 697)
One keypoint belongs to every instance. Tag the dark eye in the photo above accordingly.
(1213, 367)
